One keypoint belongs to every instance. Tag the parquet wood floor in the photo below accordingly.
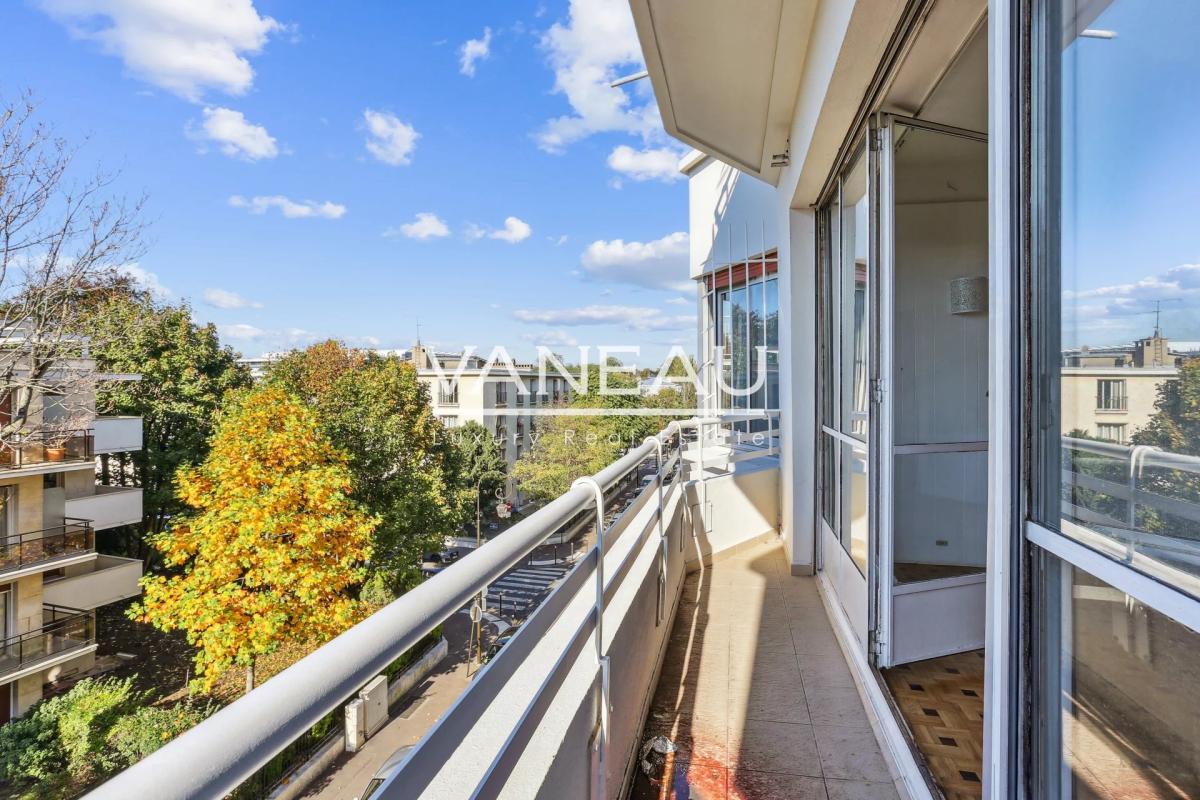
(942, 701)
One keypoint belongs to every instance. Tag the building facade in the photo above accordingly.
(52, 503)
(500, 400)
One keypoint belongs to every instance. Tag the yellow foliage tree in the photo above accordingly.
(272, 543)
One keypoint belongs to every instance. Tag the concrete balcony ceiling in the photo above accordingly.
(725, 74)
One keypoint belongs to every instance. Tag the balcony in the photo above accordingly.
(682, 598)
(41, 449)
(117, 434)
(109, 507)
(65, 634)
(46, 548)
(103, 580)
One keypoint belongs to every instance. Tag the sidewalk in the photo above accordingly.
(350, 773)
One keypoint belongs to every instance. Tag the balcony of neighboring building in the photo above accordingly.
(45, 451)
(117, 434)
(37, 551)
(66, 633)
(93, 583)
(107, 506)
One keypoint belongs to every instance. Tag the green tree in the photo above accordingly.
(404, 467)
(569, 447)
(482, 469)
(184, 372)
(1174, 428)
(271, 546)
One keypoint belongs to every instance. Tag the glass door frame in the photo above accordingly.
(882, 427)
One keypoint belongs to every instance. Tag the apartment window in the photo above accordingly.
(450, 422)
(1109, 432)
(1114, 528)
(1110, 394)
(743, 301)
(448, 397)
(501, 393)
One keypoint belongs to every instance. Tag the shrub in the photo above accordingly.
(66, 734)
(139, 734)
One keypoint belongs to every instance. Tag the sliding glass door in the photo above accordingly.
(845, 351)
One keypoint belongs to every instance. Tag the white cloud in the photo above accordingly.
(291, 209)
(236, 136)
(474, 50)
(660, 264)
(597, 45)
(679, 301)
(240, 330)
(183, 47)
(514, 230)
(553, 338)
(1125, 310)
(389, 139)
(649, 164)
(473, 232)
(427, 225)
(146, 281)
(558, 241)
(223, 298)
(638, 318)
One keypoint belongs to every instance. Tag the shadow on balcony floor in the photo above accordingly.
(756, 695)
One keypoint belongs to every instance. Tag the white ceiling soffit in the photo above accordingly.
(725, 74)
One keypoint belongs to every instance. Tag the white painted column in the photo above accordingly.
(797, 390)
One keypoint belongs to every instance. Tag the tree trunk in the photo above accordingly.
(250, 677)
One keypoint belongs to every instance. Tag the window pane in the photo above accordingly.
(1121, 678)
(1129, 284)
(772, 334)
(853, 532)
(739, 362)
(828, 315)
(854, 244)
(829, 477)
(758, 338)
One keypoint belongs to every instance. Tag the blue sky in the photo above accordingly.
(1131, 187)
(321, 169)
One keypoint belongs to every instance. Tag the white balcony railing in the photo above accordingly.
(104, 580)
(116, 434)
(109, 507)
(558, 712)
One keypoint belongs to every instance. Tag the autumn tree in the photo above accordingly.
(185, 372)
(403, 465)
(271, 545)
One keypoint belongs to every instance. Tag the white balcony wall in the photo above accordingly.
(95, 583)
(732, 510)
(732, 216)
(109, 507)
(117, 434)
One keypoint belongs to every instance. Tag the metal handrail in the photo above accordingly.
(1137, 458)
(29, 449)
(26, 549)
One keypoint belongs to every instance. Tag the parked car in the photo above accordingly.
(384, 772)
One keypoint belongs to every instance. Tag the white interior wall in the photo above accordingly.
(940, 385)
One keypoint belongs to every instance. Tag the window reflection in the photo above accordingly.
(1126, 722)
(1129, 376)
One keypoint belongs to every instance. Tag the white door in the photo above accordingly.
(930, 399)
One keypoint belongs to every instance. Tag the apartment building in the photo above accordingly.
(928, 589)
(492, 397)
(52, 580)
(1110, 393)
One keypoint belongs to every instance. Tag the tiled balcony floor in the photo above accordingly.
(756, 695)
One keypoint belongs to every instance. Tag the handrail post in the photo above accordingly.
(589, 482)
(662, 530)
